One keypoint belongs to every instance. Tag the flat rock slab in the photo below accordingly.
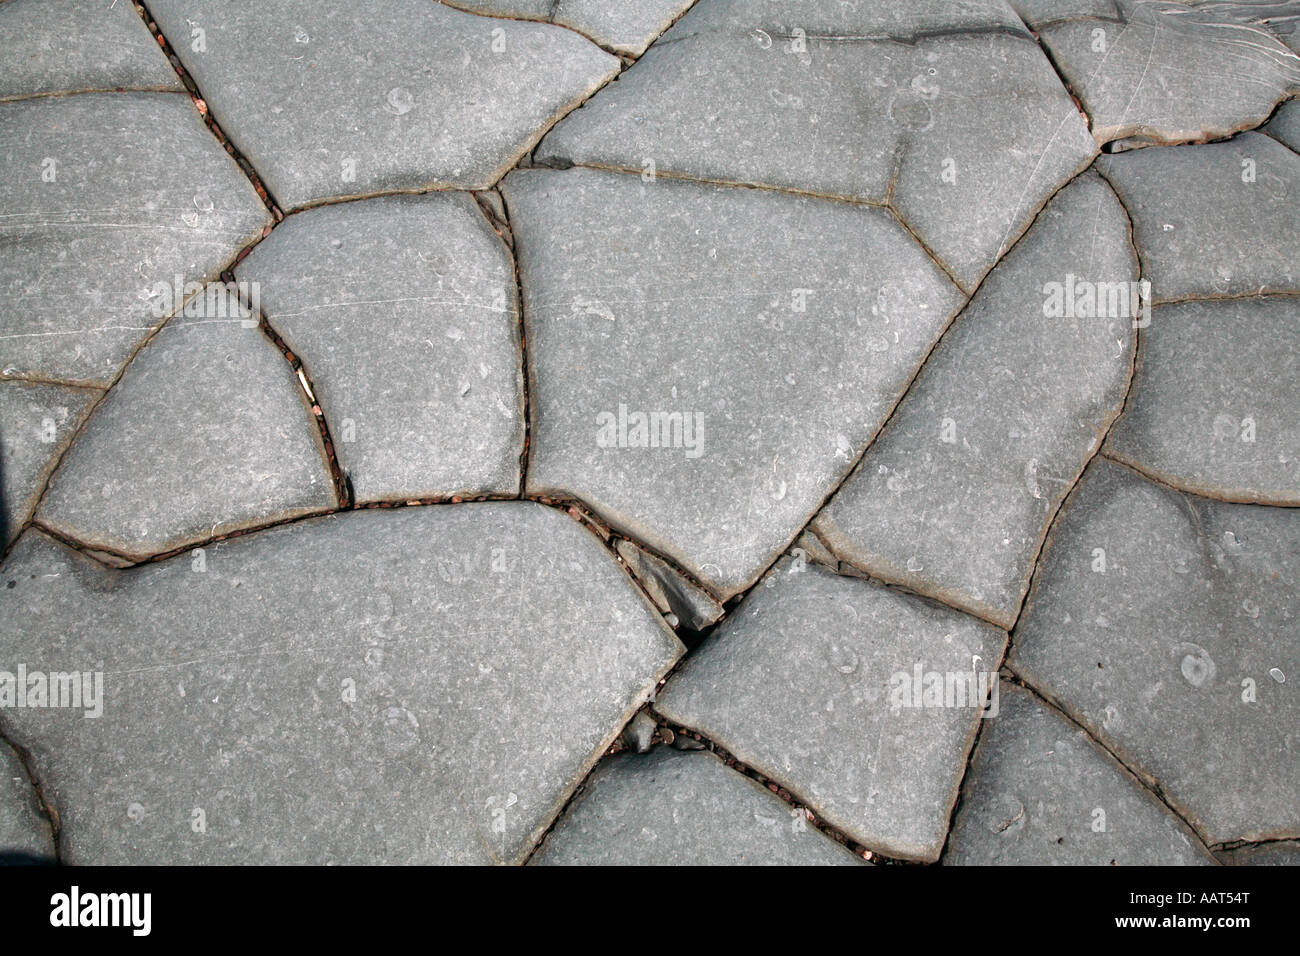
(706, 362)
(206, 433)
(811, 683)
(1285, 124)
(416, 685)
(965, 135)
(1213, 407)
(1168, 74)
(36, 423)
(24, 832)
(79, 45)
(954, 498)
(107, 196)
(673, 808)
(671, 592)
(379, 95)
(1164, 623)
(404, 313)
(1040, 792)
(1213, 220)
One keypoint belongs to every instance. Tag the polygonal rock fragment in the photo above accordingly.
(373, 96)
(108, 198)
(1285, 125)
(1213, 220)
(1166, 75)
(36, 423)
(404, 312)
(206, 433)
(954, 497)
(1039, 792)
(1213, 406)
(1165, 624)
(669, 590)
(861, 701)
(669, 808)
(855, 117)
(625, 26)
(706, 362)
(416, 685)
(24, 831)
(79, 45)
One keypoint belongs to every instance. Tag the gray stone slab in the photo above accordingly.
(954, 498)
(404, 312)
(785, 327)
(1037, 13)
(861, 119)
(810, 682)
(670, 808)
(1213, 407)
(1164, 76)
(1165, 624)
(1040, 792)
(206, 433)
(79, 45)
(1286, 853)
(414, 685)
(1213, 220)
(24, 832)
(101, 207)
(670, 591)
(1285, 124)
(36, 423)
(625, 26)
(373, 96)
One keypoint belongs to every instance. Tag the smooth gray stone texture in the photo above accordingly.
(1158, 653)
(206, 433)
(24, 832)
(798, 685)
(1285, 124)
(954, 498)
(126, 210)
(1213, 407)
(393, 94)
(670, 592)
(1040, 792)
(671, 808)
(625, 26)
(522, 9)
(675, 297)
(860, 19)
(414, 685)
(861, 119)
(36, 423)
(1200, 228)
(1269, 854)
(79, 45)
(1036, 13)
(404, 312)
(1166, 77)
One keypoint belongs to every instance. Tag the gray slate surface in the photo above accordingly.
(207, 432)
(1213, 408)
(400, 96)
(797, 684)
(326, 695)
(85, 252)
(680, 297)
(1040, 792)
(1160, 653)
(404, 312)
(670, 808)
(24, 832)
(1025, 400)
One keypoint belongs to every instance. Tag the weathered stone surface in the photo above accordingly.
(1285, 125)
(858, 118)
(379, 95)
(207, 432)
(1213, 220)
(669, 590)
(1040, 792)
(36, 423)
(1286, 853)
(1179, 655)
(804, 684)
(413, 685)
(97, 215)
(1213, 407)
(954, 498)
(625, 26)
(522, 9)
(24, 832)
(669, 808)
(1164, 76)
(680, 298)
(404, 312)
(79, 45)
(855, 19)
(1037, 13)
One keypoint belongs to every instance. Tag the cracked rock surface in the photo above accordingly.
(25, 835)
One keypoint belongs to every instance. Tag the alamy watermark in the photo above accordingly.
(1077, 298)
(651, 429)
(214, 300)
(923, 689)
(71, 690)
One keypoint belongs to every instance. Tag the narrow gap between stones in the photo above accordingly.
(1138, 469)
(44, 800)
